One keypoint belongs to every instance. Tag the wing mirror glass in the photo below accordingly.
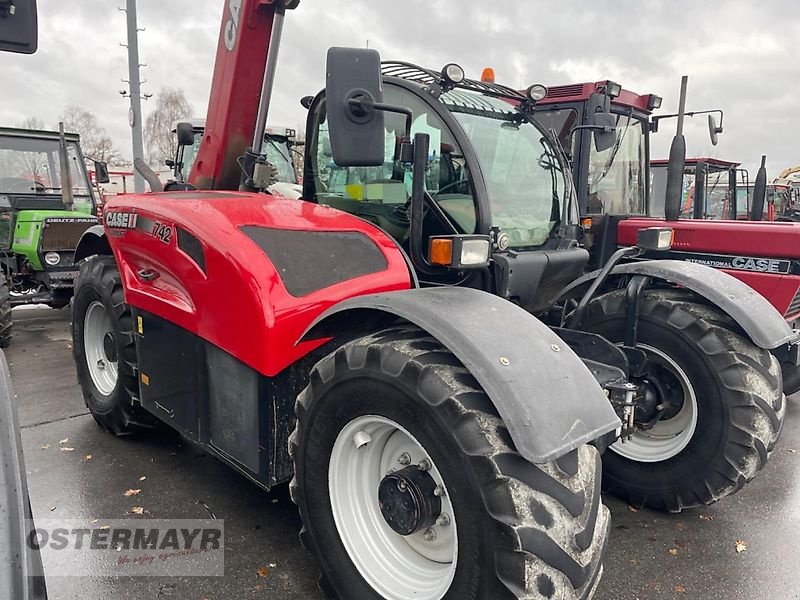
(605, 131)
(101, 172)
(354, 87)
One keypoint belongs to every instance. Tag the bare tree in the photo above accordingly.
(33, 165)
(95, 142)
(171, 106)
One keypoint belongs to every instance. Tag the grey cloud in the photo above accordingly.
(739, 55)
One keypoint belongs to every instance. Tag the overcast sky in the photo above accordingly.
(741, 56)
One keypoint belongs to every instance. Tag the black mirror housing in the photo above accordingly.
(19, 29)
(354, 86)
(101, 172)
(605, 131)
(185, 133)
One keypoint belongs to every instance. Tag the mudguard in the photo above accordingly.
(93, 241)
(544, 393)
(754, 314)
(21, 574)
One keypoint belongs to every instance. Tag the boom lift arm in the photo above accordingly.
(240, 90)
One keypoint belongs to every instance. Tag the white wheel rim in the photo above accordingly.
(103, 370)
(397, 567)
(668, 437)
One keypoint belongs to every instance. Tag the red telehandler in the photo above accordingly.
(376, 343)
(613, 188)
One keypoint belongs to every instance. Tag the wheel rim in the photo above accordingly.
(99, 348)
(397, 567)
(669, 436)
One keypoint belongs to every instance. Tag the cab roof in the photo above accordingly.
(37, 133)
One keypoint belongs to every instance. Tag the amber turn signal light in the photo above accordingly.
(441, 252)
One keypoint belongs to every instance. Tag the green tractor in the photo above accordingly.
(46, 203)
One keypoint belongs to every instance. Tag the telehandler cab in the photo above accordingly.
(383, 352)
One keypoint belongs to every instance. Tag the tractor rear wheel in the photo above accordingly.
(713, 400)
(409, 485)
(6, 322)
(104, 348)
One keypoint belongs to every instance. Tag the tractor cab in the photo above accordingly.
(279, 147)
(710, 189)
(611, 180)
(47, 202)
(495, 185)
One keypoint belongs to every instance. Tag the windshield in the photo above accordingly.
(32, 166)
(524, 177)
(280, 156)
(617, 175)
(190, 153)
(717, 194)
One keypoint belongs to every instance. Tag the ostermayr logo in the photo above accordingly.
(146, 547)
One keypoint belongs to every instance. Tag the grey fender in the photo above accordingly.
(93, 241)
(754, 314)
(544, 393)
(21, 574)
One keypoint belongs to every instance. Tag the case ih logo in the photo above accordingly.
(739, 263)
(121, 220)
(232, 24)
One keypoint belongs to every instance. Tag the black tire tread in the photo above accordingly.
(550, 519)
(750, 377)
(6, 320)
(127, 417)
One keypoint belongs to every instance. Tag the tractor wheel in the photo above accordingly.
(719, 398)
(104, 349)
(409, 485)
(6, 322)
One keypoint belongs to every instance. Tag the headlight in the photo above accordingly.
(453, 73)
(655, 238)
(52, 258)
(460, 251)
(537, 92)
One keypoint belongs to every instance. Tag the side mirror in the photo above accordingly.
(101, 172)
(605, 131)
(18, 27)
(185, 133)
(353, 88)
(713, 130)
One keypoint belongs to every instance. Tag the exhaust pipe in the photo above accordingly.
(677, 162)
(759, 192)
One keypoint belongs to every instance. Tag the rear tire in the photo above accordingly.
(521, 530)
(6, 321)
(104, 348)
(730, 415)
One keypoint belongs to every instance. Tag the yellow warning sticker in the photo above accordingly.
(145, 379)
(140, 325)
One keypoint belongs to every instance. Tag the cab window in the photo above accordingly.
(380, 194)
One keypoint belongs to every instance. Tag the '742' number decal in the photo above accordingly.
(162, 232)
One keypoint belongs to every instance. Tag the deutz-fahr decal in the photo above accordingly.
(121, 220)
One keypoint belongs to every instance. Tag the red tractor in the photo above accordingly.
(377, 344)
(613, 188)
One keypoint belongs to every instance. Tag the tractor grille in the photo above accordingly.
(794, 306)
(564, 91)
(63, 233)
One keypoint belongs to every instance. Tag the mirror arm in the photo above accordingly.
(361, 105)
(655, 120)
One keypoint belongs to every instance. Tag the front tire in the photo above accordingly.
(6, 321)
(104, 348)
(723, 396)
(379, 407)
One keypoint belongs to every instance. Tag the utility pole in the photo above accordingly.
(135, 112)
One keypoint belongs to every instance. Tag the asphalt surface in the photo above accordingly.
(651, 555)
